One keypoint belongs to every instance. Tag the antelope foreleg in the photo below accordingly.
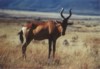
(54, 48)
(50, 48)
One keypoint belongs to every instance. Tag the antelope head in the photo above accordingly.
(65, 21)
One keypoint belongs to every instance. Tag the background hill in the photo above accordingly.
(91, 7)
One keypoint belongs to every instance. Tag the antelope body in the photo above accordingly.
(50, 30)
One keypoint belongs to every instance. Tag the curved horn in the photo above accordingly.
(70, 13)
(61, 13)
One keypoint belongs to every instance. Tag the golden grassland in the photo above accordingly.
(78, 49)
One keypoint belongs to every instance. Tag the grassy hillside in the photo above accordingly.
(78, 49)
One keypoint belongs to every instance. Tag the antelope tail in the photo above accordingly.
(21, 36)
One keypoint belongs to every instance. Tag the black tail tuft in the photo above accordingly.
(21, 36)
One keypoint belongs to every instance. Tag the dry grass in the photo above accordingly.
(81, 52)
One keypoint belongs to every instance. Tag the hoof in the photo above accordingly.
(49, 61)
(24, 57)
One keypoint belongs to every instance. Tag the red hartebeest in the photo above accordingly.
(50, 30)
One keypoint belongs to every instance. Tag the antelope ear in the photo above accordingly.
(58, 21)
(71, 23)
